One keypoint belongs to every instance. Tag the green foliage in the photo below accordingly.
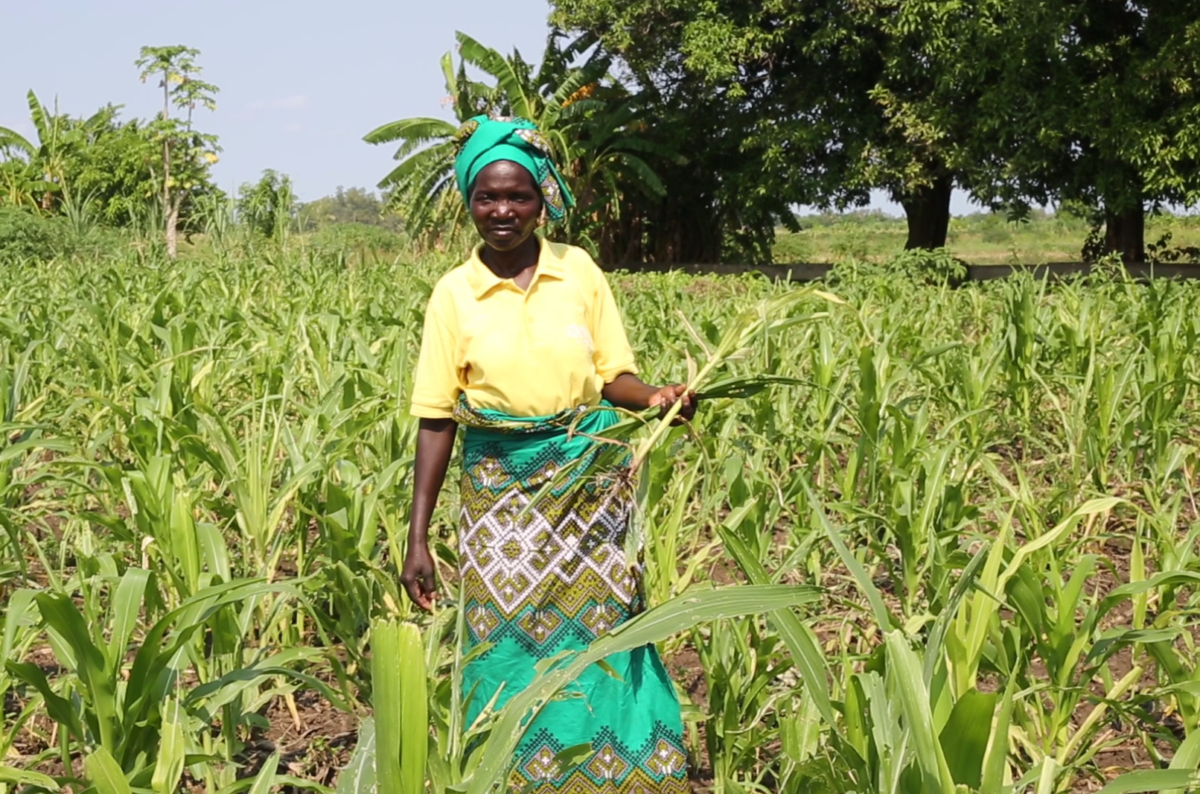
(934, 267)
(268, 207)
(917, 266)
(347, 206)
(182, 170)
(36, 172)
(99, 160)
(825, 100)
(593, 127)
(24, 235)
(1014, 101)
(114, 172)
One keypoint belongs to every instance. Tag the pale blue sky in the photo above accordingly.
(301, 82)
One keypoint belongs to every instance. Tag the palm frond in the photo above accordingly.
(434, 158)
(421, 129)
(499, 67)
(577, 79)
(11, 139)
(644, 176)
(447, 63)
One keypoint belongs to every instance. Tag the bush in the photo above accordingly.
(791, 249)
(938, 266)
(918, 266)
(24, 235)
(854, 243)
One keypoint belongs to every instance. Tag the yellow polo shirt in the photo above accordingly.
(525, 352)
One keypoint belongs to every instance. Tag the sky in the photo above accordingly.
(301, 82)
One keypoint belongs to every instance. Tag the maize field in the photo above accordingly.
(919, 538)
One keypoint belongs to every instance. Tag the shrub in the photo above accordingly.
(25, 235)
(792, 249)
(938, 266)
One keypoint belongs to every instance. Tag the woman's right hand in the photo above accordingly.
(418, 575)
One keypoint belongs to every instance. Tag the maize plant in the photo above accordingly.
(918, 538)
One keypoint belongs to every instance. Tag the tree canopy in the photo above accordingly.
(99, 161)
(1014, 101)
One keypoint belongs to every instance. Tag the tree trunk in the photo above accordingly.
(928, 212)
(1125, 233)
(172, 228)
(170, 208)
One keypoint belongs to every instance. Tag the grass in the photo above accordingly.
(982, 499)
(981, 238)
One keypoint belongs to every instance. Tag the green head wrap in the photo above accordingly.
(483, 140)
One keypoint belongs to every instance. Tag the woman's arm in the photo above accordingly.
(435, 443)
(628, 391)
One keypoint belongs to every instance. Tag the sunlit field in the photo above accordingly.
(981, 238)
(982, 498)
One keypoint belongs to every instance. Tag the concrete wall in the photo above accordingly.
(812, 272)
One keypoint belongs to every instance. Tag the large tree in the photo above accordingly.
(1109, 103)
(1016, 101)
(834, 98)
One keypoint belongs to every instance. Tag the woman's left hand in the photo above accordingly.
(665, 397)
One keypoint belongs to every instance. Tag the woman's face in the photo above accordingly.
(505, 205)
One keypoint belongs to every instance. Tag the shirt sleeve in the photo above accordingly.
(612, 354)
(436, 387)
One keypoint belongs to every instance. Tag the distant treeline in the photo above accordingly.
(690, 131)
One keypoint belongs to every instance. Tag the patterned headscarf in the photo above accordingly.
(485, 139)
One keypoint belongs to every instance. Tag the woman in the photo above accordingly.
(520, 343)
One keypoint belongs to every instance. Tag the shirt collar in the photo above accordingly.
(483, 280)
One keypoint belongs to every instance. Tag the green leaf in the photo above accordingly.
(265, 778)
(801, 642)
(1187, 757)
(172, 749)
(997, 748)
(126, 611)
(965, 737)
(59, 708)
(904, 671)
(19, 611)
(23, 777)
(1152, 781)
(1089, 508)
(400, 705)
(358, 776)
(883, 617)
(420, 130)
(93, 669)
(105, 773)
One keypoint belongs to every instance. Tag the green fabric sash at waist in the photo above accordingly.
(525, 443)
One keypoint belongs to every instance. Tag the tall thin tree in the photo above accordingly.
(186, 154)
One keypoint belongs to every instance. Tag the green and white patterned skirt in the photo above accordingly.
(555, 580)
